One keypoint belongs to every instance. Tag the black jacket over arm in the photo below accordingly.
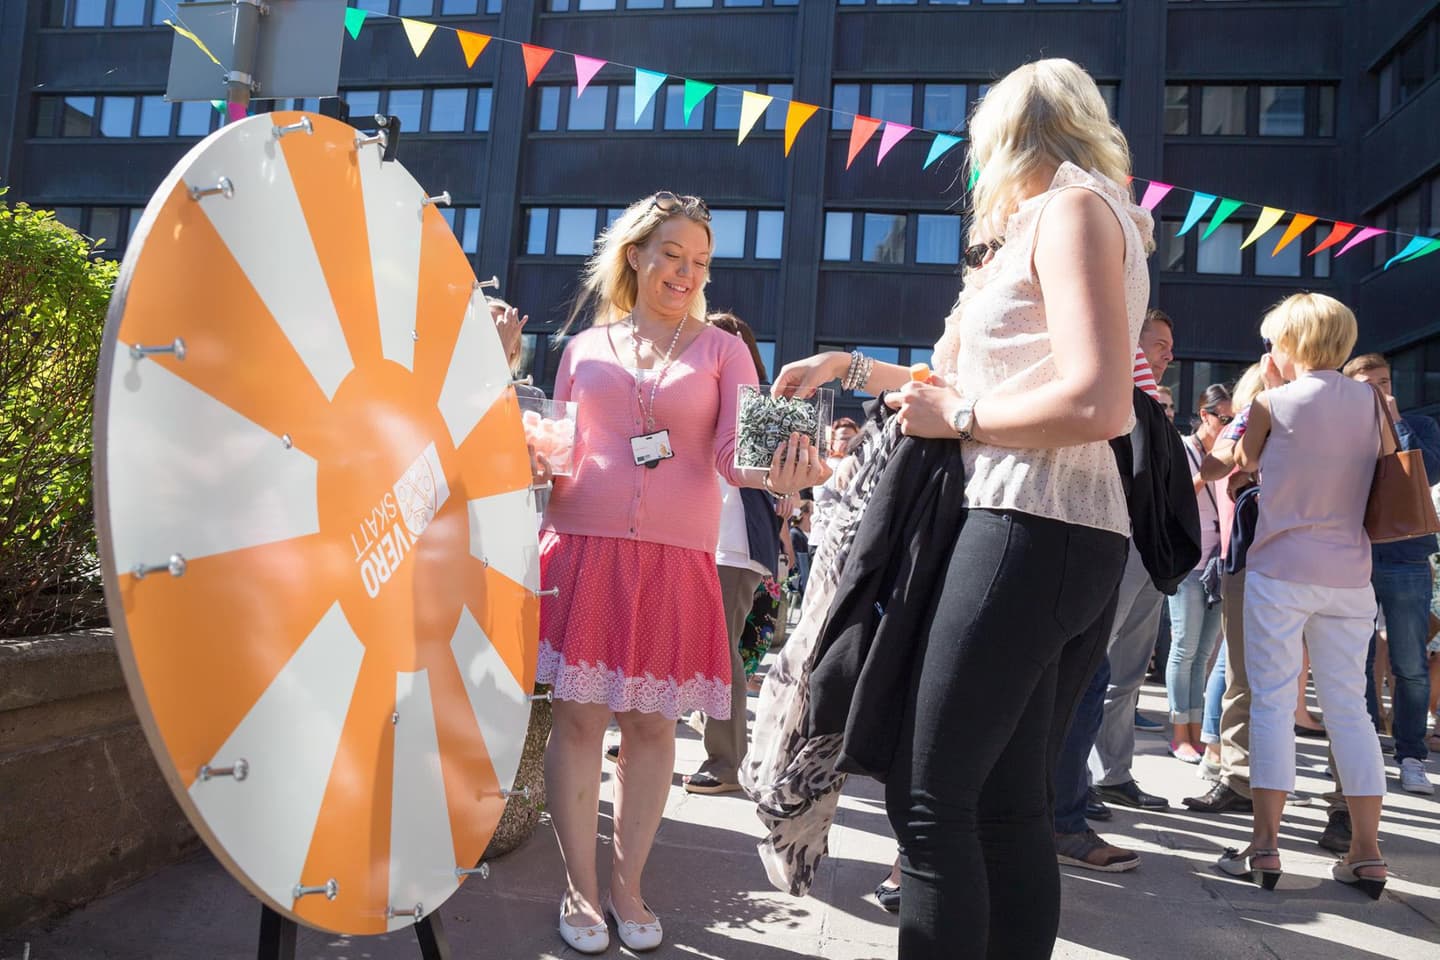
(877, 625)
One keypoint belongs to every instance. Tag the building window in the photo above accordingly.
(1286, 263)
(465, 221)
(1222, 111)
(1170, 247)
(838, 228)
(404, 105)
(484, 98)
(448, 109)
(769, 234)
(625, 111)
(775, 117)
(548, 116)
(937, 239)
(79, 117)
(155, 117)
(587, 112)
(88, 13)
(128, 13)
(945, 106)
(1282, 111)
(1221, 253)
(117, 117)
(883, 240)
(537, 228)
(1325, 112)
(894, 102)
(728, 228)
(362, 103)
(575, 231)
(845, 101)
(196, 119)
(1177, 110)
(727, 105)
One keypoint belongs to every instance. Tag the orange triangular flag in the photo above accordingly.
(795, 118)
(535, 60)
(860, 135)
(473, 44)
(1298, 225)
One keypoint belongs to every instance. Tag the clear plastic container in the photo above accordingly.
(550, 430)
(762, 422)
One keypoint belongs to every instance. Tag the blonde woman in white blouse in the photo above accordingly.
(1036, 364)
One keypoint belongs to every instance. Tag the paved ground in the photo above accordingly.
(707, 884)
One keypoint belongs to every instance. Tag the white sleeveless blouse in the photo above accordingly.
(998, 334)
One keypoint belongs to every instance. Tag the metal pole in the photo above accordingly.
(239, 82)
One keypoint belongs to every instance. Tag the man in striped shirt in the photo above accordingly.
(1110, 697)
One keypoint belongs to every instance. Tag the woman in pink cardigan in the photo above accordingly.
(638, 628)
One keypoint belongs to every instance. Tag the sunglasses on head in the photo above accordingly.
(667, 202)
(1269, 345)
(976, 255)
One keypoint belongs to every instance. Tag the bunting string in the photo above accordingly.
(754, 105)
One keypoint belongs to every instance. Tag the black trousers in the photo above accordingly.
(1019, 628)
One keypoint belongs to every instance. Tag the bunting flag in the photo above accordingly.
(1154, 193)
(1266, 222)
(1337, 233)
(471, 44)
(1298, 225)
(418, 32)
(1414, 250)
(795, 118)
(585, 70)
(219, 105)
(1222, 213)
(893, 134)
(860, 133)
(1367, 233)
(942, 145)
(535, 60)
(752, 108)
(1198, 205)
(754, 105)
(695, 93)
(236, 111)
(354, 20)
(647, 84)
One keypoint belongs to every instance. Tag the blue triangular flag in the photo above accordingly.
(1415, 245)
(647, 82)
(943, 144)
(1198, 206)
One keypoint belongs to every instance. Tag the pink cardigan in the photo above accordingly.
(678, 502)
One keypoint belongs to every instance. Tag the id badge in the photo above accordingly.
(650, 448)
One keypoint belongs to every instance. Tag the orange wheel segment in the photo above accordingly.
(315, 522)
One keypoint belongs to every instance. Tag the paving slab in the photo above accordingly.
(707, 883)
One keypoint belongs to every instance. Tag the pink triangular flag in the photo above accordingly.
(1365, 233)
(1154, 193)
(893, 134)
(585, 70)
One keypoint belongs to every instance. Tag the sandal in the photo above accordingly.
(1236, 864)
(1348, 874)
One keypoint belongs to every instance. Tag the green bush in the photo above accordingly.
(54, 291)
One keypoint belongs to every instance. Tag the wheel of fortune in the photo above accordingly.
(315, 522)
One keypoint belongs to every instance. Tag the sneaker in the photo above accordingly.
(1336, 837)
(1089, 852)
(1413, 778)
(1145, 724)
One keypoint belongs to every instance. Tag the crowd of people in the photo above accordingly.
(1081, 540)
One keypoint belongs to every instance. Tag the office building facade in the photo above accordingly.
(1325, 107)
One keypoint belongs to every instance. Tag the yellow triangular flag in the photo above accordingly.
(795, 119)
(419, 33)
(752, 108)
(1268, 218)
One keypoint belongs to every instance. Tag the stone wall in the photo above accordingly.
(83, 807)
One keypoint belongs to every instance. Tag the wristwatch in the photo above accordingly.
(963, 419)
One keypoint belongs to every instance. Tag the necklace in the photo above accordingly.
(649, 411)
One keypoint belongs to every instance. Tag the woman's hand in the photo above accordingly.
(1270, 373)
(541, 473)
(796, 465)
(801, 378)
(510, 326)
(925, 409)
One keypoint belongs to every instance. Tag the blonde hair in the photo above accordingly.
(1049, 111)
(609, 285)
(1316, 330)
(1247, 388)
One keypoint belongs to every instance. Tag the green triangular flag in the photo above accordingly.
(974, 178)
(354, 19)
(695, 91)
(219, 105)
(1222, 213)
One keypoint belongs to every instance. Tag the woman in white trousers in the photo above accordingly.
(1314, 436)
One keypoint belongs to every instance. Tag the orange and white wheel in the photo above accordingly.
(316, 524)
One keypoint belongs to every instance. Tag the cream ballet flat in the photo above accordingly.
(639, 937)
(586, 939)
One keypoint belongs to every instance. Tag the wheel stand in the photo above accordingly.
(277, 937)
